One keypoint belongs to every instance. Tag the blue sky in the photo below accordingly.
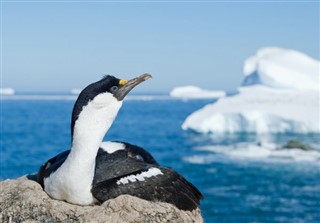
(60, 45)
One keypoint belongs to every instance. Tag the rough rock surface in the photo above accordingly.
(24, 200)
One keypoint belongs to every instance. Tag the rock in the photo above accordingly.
(296, 144)
(23, 200)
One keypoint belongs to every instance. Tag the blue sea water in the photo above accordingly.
(33, 129)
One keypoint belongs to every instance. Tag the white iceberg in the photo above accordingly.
(281, 68)
(262, 108)
(76, 91)
(192, 92)
(7, 91)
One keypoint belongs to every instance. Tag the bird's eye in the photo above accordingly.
(114, 89)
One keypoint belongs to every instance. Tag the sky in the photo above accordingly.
(55, 46)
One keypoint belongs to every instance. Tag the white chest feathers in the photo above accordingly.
(76, 189)
(66, 192)
(72, 182)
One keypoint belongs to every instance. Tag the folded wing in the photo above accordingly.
(149, 182)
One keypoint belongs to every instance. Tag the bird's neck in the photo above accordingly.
(89, 130)
(88, 133)
(73, 180)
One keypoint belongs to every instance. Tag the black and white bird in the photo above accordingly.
(93, 171)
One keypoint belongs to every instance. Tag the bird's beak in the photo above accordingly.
(128, 86)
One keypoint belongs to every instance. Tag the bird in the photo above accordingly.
(93, 171)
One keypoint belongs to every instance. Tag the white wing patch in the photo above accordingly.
(141, 176)
(111, 147)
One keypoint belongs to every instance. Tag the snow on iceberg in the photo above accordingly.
(281, 68)
(189, 92)
(259, 107)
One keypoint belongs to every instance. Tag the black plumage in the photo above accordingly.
(167, 187)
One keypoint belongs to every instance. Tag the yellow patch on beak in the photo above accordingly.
(123, 82)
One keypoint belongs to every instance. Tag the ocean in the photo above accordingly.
(241, 179)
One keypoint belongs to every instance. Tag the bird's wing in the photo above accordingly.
(152, 183)
(110, 166)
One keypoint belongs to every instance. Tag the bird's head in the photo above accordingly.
(100, 101)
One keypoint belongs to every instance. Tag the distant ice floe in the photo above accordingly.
(255, 152)
(39, 97)
(74, 97)
(7, 91)
(192, 92)
(76, 91)
(280, 94)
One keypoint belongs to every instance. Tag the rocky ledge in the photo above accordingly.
(23, 200)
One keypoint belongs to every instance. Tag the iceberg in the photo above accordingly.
(7, 91)
(270, 99)
(76, 91)
(192, 92)
(281, 68)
